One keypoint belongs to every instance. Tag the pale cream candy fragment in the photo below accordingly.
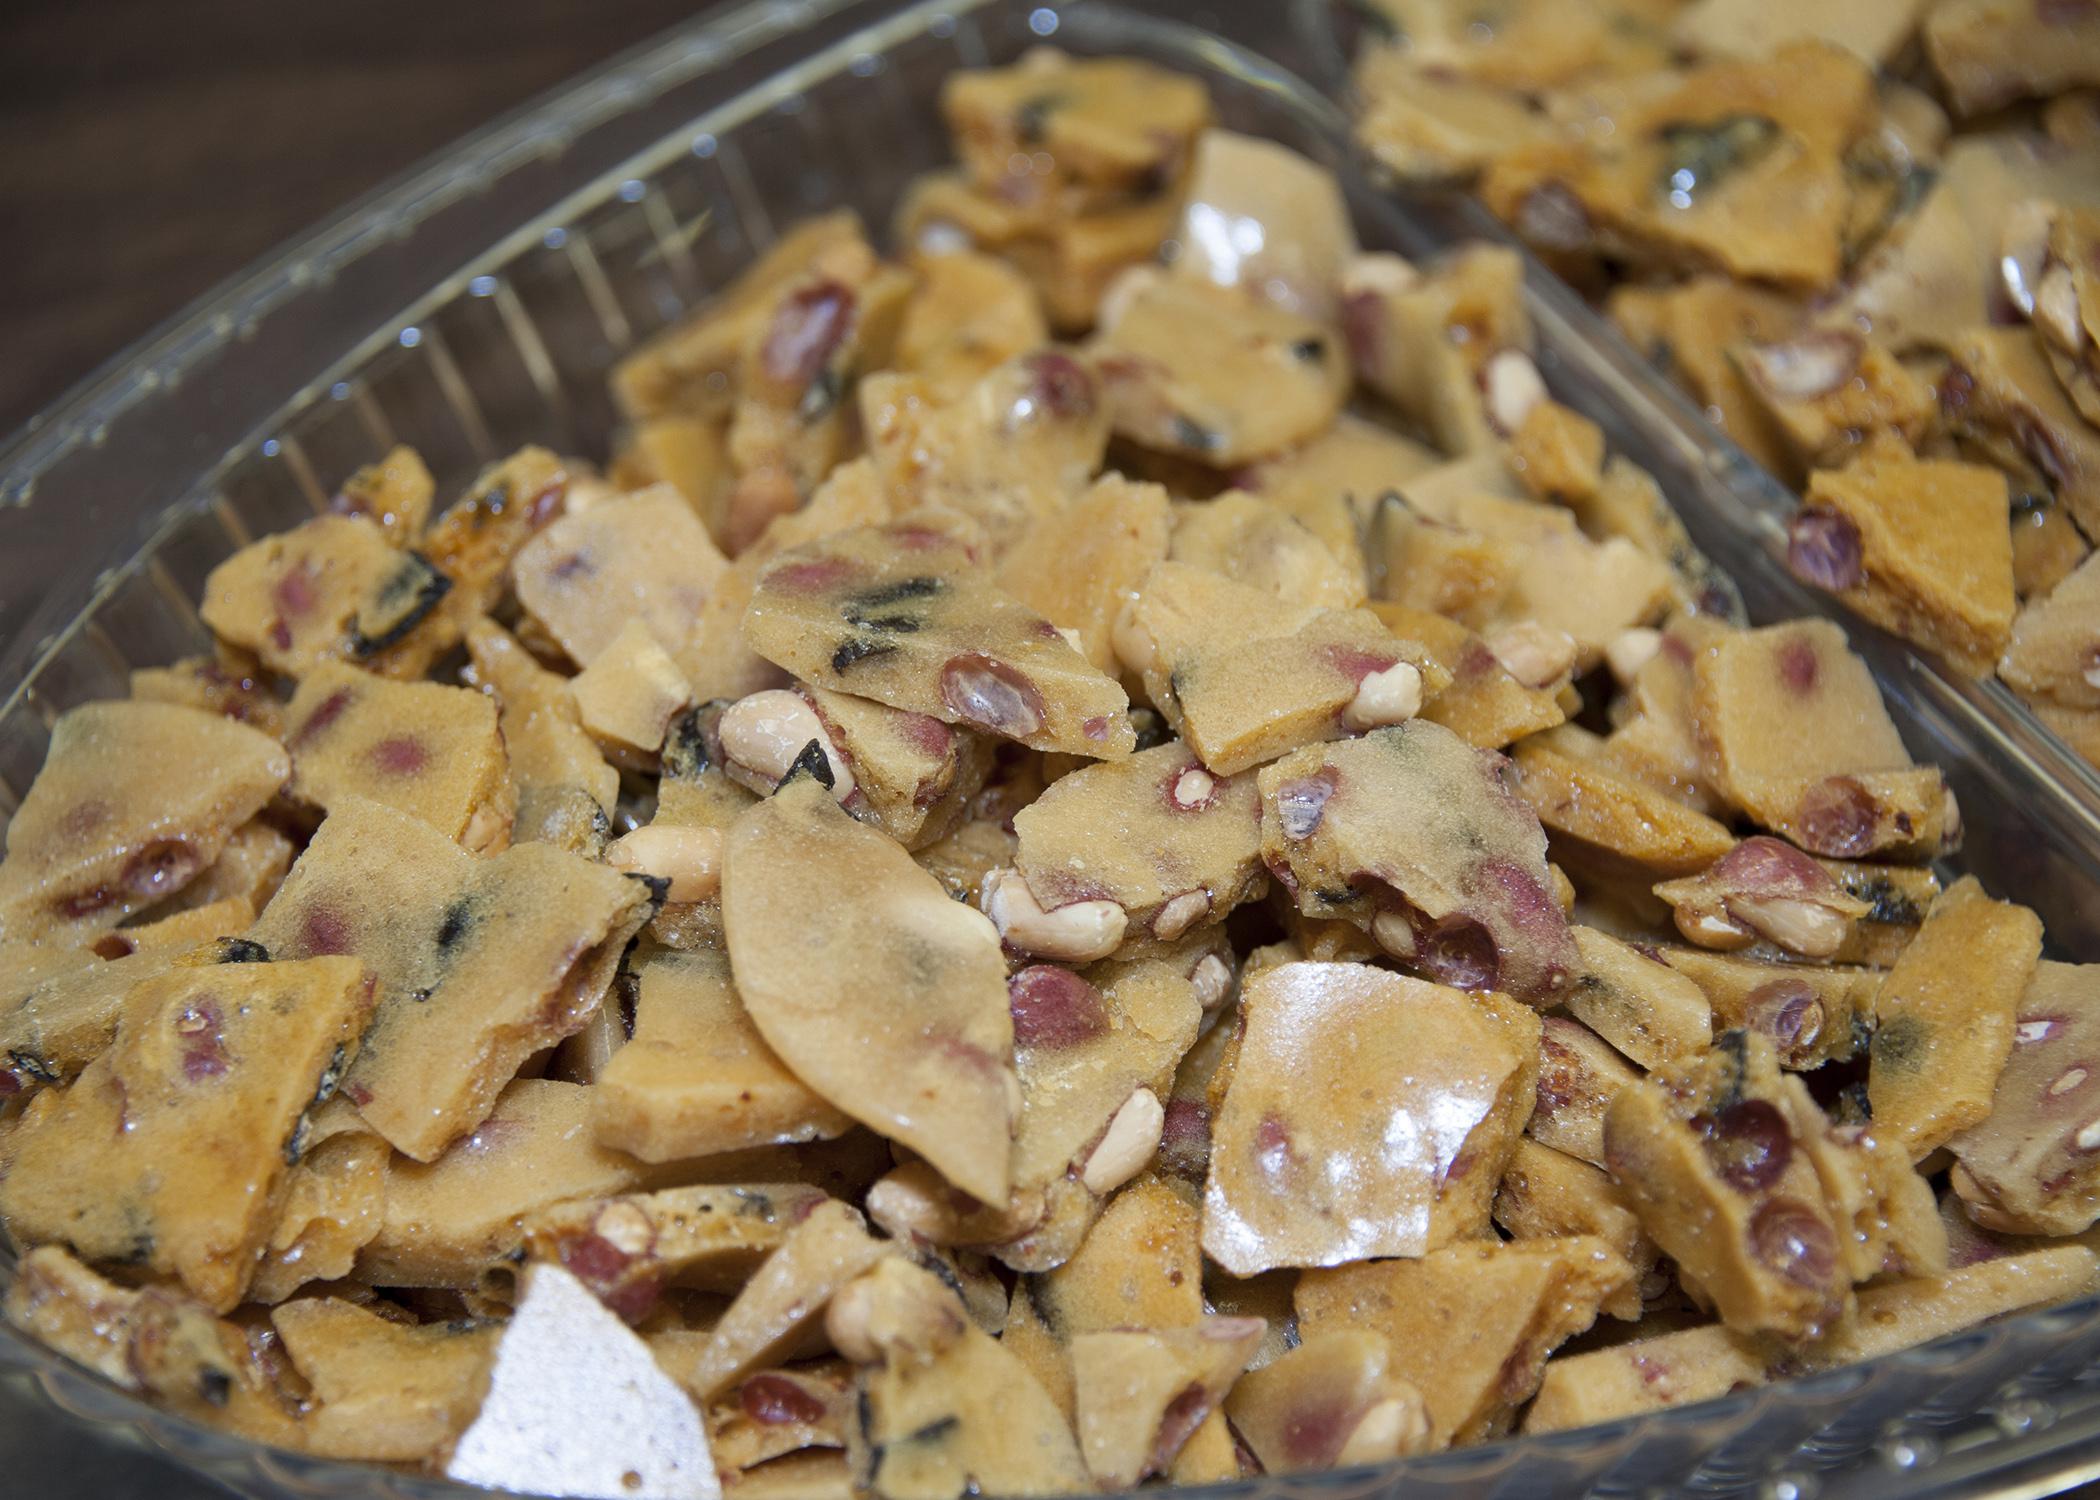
(577, 1405)
(880, 993)
(1367, 1115)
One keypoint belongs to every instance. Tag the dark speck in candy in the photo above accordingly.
(235, 950)
(458, 917)
(856, 649)
(813, 763)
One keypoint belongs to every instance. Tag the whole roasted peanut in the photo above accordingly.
(762, 735)
(1077, 933)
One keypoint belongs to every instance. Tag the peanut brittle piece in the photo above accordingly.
(228, 682)
(1411, 833)
(1423, 124)
(1992, 52)
(1484, 705)
(334, 1201)
(1689, 328)
(480, 962)
(1946, 1017)
(880, 993)
(384, 1390)
(1090, 132)
(2053, 655)
(896, 614)
(945, 1408)
(1077, 566)
(1187, 849)
(396, 493)
(1633, 999)
(152, 1339)
(1469, 1326)
(420, 748)
(133, 800)
(1071, 260)
(1008, 452)
(631, 1248)
(1810, 1013)
(171, 1148)
(696, 1078)
(566, 790)
(1833, 393)
(1438, 343)
(968, 315)
(1206, 373)
(1546, 1194)
(61, 1007)
(1579, 1075)
(1331, 1402)
(1798, 738)
(823, 1251)
(1140, 1395)
(450, 1221)
(1764, 888)
(2025, 1168)
(629, 694)
(1244, 677)
(1584, 798)
(1332, 481)
(330, 589)
(1708, 1155)
(794, 1409)
(639, 556)
(1918, 546)
(691, 368)
(1256, 543)
(1422, 1094)
(2003, 396)
(914, 775)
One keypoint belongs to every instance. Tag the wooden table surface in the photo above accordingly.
(149, 150)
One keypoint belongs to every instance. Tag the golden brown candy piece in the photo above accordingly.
(1711, 1156)
(1246, 538)
(1946, 1017)
(566, 791)
(1141, 1395)
(795, 1409)
(944, 1405)
(880, 993)
(696, 1079)
(1835, 395)
(228, 682)
(1586, 797)
(480, 962)
(1331, 1402)
(171, 1148)
(449, 1221)
(1187, 849)
(1696, 1364)
(1088, 133)
(383, 1390)
(1207, 374)
(1076, 567)
(1411, 834)
(900, 615)
(1449, 347)
(1579, 1075)
(1244, 676)
(396, 492)
(1920, 547)
(1484, 705)
(334, 1204)
(333, 588)
(691, 368)
(628, 696)
(1689, 329)
(2026, 1167)
(133, 801)
(420, 748)
(1812, 1014)
(1798, 738)
(2051, 657)
(1367, 1114)
(154, 1339)
(631, 1248)
(1470, 1325)
(969, 314)
(638, 556)
(912, 775)
(1632, 998)
(1765, 889)
(1008, 452)
(1992, 52)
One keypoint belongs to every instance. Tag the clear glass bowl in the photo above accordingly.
(478, 303)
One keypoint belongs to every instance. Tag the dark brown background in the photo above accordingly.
(151, 148)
